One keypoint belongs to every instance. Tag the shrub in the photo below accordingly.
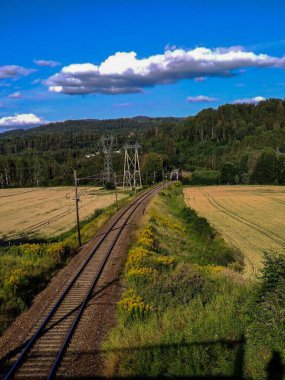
(132, 305)
(109, 186)
(204, 177)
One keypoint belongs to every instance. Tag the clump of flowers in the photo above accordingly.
(167, 261)
(134, 305)
(146, 238)
(55, 250)
(214, 268)
(30, 249)
(17, 279)
(166, 221)
(141, 272)
(137, 256)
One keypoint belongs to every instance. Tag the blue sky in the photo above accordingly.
(187, 55)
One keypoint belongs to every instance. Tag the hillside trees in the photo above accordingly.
(236, 133)
(229, 174)
(152, 167)
(266, 170)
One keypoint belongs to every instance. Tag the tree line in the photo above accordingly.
(241, 143)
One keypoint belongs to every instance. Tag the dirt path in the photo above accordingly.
(84, 357)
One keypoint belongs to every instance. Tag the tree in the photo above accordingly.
(267, 167)
(281, 174)
(229, 173)
(152, 167)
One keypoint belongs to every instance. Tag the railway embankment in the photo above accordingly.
(187, 310)
(85, 291)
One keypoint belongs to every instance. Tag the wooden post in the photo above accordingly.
(77, 208)
(116, 195)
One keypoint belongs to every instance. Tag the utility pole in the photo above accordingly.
(116, 195)
(77, 208)
(132, 170)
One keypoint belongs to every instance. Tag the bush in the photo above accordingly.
(266, 329)
(229, 174)
(267, 168)
(109, 186)
(204, 177)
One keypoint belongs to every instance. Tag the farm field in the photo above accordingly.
(251, 218)
(45, 212)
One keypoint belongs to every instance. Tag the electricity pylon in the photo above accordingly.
(107, 144)
(132, 171)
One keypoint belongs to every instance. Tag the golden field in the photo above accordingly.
(251, 218)
(47, 211)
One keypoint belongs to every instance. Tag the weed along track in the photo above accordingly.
(44, 356)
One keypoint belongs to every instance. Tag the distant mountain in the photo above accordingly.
(105, 125)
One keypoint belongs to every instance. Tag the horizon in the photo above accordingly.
(27, 127)
(168, 59)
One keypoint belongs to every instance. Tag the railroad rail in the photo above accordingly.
(42, 355)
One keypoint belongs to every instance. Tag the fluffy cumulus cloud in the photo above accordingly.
(201, 99)
(45, 63)
(126, 73)
(13, 71)
(253, 100)
(20, 121)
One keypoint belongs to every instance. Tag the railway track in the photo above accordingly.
(44, 352)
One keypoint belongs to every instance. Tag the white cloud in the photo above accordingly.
(253, 100)
(201, 99)
(13, 71)
(122, 105)
(200, 79)
(170, 47)
(45, 63)
(36, 81)
(15, 95)
(125, 73)
(21, 121)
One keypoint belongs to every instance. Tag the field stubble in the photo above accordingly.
(251, 218)
(47, 211)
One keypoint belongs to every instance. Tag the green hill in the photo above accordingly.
(218, 145)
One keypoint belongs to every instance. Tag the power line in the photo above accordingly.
(132, 171)
(107, 144)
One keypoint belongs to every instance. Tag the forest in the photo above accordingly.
(235, 143)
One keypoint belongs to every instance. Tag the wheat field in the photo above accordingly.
(250, 218)
(45, 212)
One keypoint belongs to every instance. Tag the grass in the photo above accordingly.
(43, 212)
(254, 212)
(186, 310)
(27, 269)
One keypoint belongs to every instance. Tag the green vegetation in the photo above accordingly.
(204, 177)
(186, 311)
(267, 168)
(26, 269)
(229, 174)
(235, 133)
